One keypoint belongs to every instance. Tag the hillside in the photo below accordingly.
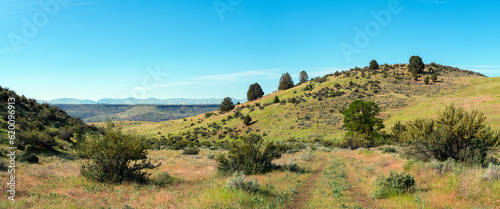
(155, 113)
(40, 125)
(313, 109)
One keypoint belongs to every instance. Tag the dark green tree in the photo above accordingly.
(286, 82)
(426, 80)
(247, 120)
(359, 117)
(276, 99)
(373, 65)
(303, 77)
(254, 92)
(112, 154)
(416, 65)
(226, 105)
(434, 77)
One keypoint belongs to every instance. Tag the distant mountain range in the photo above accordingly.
(136, 101)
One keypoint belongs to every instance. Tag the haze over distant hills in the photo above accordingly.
(136, 101)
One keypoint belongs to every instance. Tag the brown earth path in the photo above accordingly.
(357, 193)
(304, 192)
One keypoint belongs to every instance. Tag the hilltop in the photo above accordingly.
(314, 109)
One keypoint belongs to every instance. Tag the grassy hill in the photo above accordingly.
(155, 113)
(313, 109)
(46, 128)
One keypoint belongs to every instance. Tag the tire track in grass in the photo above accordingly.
(357, 193)
(304, 191)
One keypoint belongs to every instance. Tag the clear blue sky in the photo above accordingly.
(103, 49)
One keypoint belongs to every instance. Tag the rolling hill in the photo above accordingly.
(314, 109)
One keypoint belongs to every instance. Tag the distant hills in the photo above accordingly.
(136, 101)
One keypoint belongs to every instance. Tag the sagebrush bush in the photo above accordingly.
(164, 178)
(455, 134)
(191, 151)
(492, 173)
(238, 182)
(250, 154)
(111, 155)
(354, 141)
(394, 184)
(442, 168)
(307, 156)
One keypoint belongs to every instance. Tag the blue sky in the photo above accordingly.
(211, 49)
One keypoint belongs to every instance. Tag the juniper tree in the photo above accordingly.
(286, 82)
(254, 92)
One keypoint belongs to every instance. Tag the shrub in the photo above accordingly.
(426, 80)
(308, 156)
(37, 138)
(238, 182)
(492, 173)
(247, 120)
(208, 114)
(191, 151)
(455, 134)
(354, 141)
(387, 149)
(164, 178)
(111, 156)
(3, 166)
(65, 134)
(28, 157)
(434, 77)
(276, 100)
(394, 184)
(442, 168)
(250, 154)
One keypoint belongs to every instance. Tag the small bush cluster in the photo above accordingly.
(394, 184)
(455, 134)
(250, 154)
(492, 173)
(191, 151)
(164, 178)
(238, 182)
(112, 155)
